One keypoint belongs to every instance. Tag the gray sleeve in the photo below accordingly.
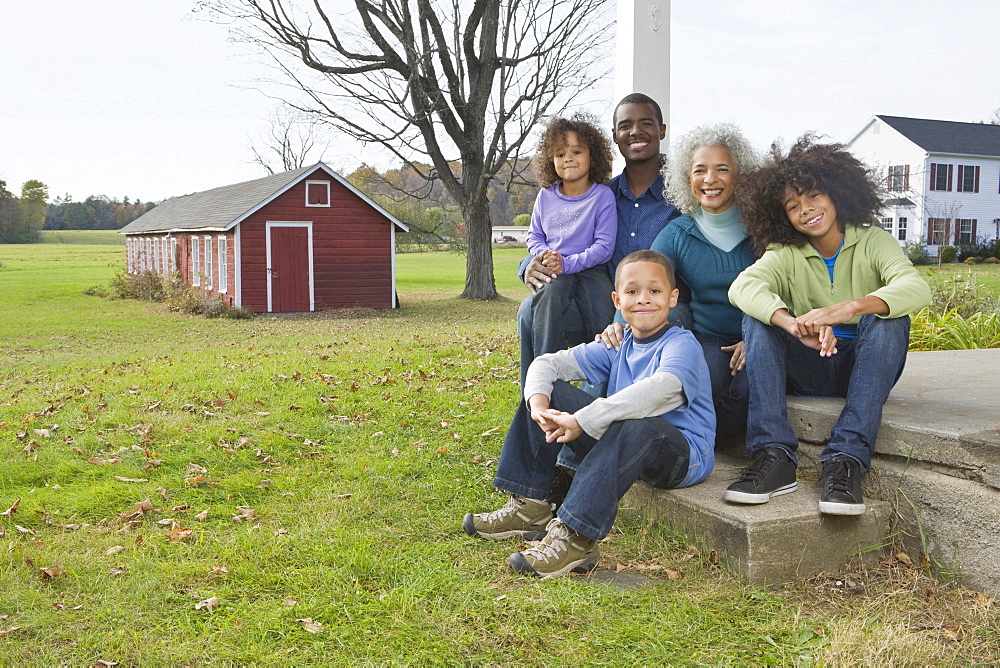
(656, 395)
(548, 368)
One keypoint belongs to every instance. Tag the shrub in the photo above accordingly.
(147, 286)
(952, 331)
(917, 252)
(991, 260)
(960, 293)
(947, 254)
(973, 259)
(96, 291)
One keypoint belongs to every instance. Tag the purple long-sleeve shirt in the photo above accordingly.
(582, 229)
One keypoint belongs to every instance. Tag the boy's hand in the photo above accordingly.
(738, 361)
(612, 336)
(822, 339)
(563, 426)
(814, 320)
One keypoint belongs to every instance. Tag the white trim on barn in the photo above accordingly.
(237, 269)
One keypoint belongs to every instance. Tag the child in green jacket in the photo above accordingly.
(826, 314)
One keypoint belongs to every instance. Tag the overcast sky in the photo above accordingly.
(134, 98)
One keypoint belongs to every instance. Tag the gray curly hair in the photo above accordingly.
(677, 172)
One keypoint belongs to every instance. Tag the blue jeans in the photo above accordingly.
(650, 449)
(730, 394)
(863, 371)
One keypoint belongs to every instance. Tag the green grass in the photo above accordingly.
(987, 275)
(358, 442)
(86, 237)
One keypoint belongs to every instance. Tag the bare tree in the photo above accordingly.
(454, 84)
(289, 139)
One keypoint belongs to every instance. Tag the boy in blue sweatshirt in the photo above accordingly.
(656, 424)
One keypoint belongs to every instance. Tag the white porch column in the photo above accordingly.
(642, 52)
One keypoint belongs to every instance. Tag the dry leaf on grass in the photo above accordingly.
(290, 602)
(115, 550)
(203, 515)
(219, 569)
(309, 625)
(23, 530)
(13, 509)
(177, 534)
(102, 663)
(195, 479)
(117, 570)
(209, 604)
(123, 479)
(243, 514)
(4, 632)
(51, 572)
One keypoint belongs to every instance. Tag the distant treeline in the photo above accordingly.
(428, 210)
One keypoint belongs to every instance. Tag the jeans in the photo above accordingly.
(650, 449)
(863, 371)
(730, 394)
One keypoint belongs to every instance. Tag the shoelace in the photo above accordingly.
(556, 532)
(759, 467)
(837, 474)
(508, 508)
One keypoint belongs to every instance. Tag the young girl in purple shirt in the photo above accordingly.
(573, 224)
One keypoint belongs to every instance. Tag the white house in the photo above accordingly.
(943, 178)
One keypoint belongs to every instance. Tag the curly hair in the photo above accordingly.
(677, 172)
(853, 188)
(554, 137)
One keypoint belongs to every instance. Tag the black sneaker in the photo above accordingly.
(841, 487)
(771, 473)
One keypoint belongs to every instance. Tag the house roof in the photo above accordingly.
(223, 208)
(899, 201)
(948, 136)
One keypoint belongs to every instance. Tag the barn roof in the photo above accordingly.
(949, 137)
(223, 208)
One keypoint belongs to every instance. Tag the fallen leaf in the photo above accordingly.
(105, 664)
(4, 632)
(43, 433)
(342, 496)
(952, 632)
(203, 515)
(219, 569)
(114, 550)
(490, 431)
(983, 601)
(290, 602)
(904, 559)
(195, 479)
(309, 625)
(177, 534)
(117, 570)
(122, 479)
(23, 530)
(181, 508)
(243, 514)
(209, 604)
(195, 468)
(395, 452)
(51, 572)
(13, 509)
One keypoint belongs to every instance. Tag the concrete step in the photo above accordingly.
(936, 470)
(778, 541)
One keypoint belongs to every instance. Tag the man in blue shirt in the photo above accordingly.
(642, 213)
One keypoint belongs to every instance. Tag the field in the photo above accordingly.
(86, 237)
(289, 490)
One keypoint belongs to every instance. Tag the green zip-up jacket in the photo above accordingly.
(871, 262)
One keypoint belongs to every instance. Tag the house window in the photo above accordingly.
(317, 193)
(195, 262)
(937, 232)
(887, 224)
(966, 230)
(901, 229)
(899, 178)
(968, 179)
(223, 265)
(149, 255)
(208, 262)
(941, 176)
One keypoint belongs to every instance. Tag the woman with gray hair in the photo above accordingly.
(708, 247)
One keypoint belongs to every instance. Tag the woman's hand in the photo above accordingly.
(738, 361)
(612, 336)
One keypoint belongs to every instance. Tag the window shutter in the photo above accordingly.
(906, 177)
(958, 227)
(974, 221)
(933, 176)
(930, 230)
(959, 184)
(976, 189)
(950, 172)
(888, 178)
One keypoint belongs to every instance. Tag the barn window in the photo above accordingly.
(317, 193)
(208, 262)
(223, 266)
(195, 262)
(173, 254)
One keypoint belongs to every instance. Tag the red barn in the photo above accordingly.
(297, 241)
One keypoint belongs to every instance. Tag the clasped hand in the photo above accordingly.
(542, 269)
(559, 426)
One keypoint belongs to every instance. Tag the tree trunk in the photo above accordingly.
(479, 281)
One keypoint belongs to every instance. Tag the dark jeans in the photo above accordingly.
(650, 449)
(863, 371)
(730, 394)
